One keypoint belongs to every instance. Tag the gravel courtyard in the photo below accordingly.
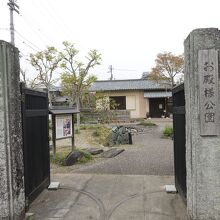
(150, 154)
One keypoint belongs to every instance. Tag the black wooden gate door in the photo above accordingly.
(179, 139)
(35, 142)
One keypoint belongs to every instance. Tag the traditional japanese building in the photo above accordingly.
(141, 97)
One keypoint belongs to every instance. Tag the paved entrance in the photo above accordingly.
(98, 192)
(108, 197)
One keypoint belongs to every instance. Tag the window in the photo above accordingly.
(118, 102)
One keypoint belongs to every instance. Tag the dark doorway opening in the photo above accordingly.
(118, 102)
(179, 124)
(157, 107)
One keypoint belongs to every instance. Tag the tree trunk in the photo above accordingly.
(49, 99)
(172, 82)
(78, 114)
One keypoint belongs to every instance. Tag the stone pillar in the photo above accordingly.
(202, 123)
(12, 198)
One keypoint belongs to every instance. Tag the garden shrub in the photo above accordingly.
(168, 131)
(102, 133)
(86, 156)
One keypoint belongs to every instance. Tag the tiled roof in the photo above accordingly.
(131, 84)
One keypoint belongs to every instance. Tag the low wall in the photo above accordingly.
(90, 115)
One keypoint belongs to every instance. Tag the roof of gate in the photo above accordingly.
(62, 110)
(129, 84)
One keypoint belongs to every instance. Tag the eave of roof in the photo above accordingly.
(157, 94)
(62, 111)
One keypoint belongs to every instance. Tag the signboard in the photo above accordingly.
(208, 91)
(63, 126)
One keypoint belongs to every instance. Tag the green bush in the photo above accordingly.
(168, 131)
(59, 157)
(86, 156)
(101, 133)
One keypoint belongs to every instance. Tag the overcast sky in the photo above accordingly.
(128, 33)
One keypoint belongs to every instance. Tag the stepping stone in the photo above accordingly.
(72, 158)
(112, 152)
(94, 151)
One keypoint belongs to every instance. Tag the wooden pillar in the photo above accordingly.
(73, 134)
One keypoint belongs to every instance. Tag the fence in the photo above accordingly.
(35, 142)
(179, 139)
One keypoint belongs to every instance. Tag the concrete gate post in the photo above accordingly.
(12, 198)
(202, 123)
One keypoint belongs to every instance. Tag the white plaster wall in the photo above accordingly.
(147, 105)
(135, 102)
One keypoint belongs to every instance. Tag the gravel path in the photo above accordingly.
(149, 155)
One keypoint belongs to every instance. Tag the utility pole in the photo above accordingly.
(12, 7)
(110, 71)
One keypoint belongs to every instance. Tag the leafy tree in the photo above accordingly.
(46, 63)
(75, 79)
(33, 83)
(167, 67)
(105, 107)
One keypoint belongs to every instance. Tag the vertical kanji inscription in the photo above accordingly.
(208, 91)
